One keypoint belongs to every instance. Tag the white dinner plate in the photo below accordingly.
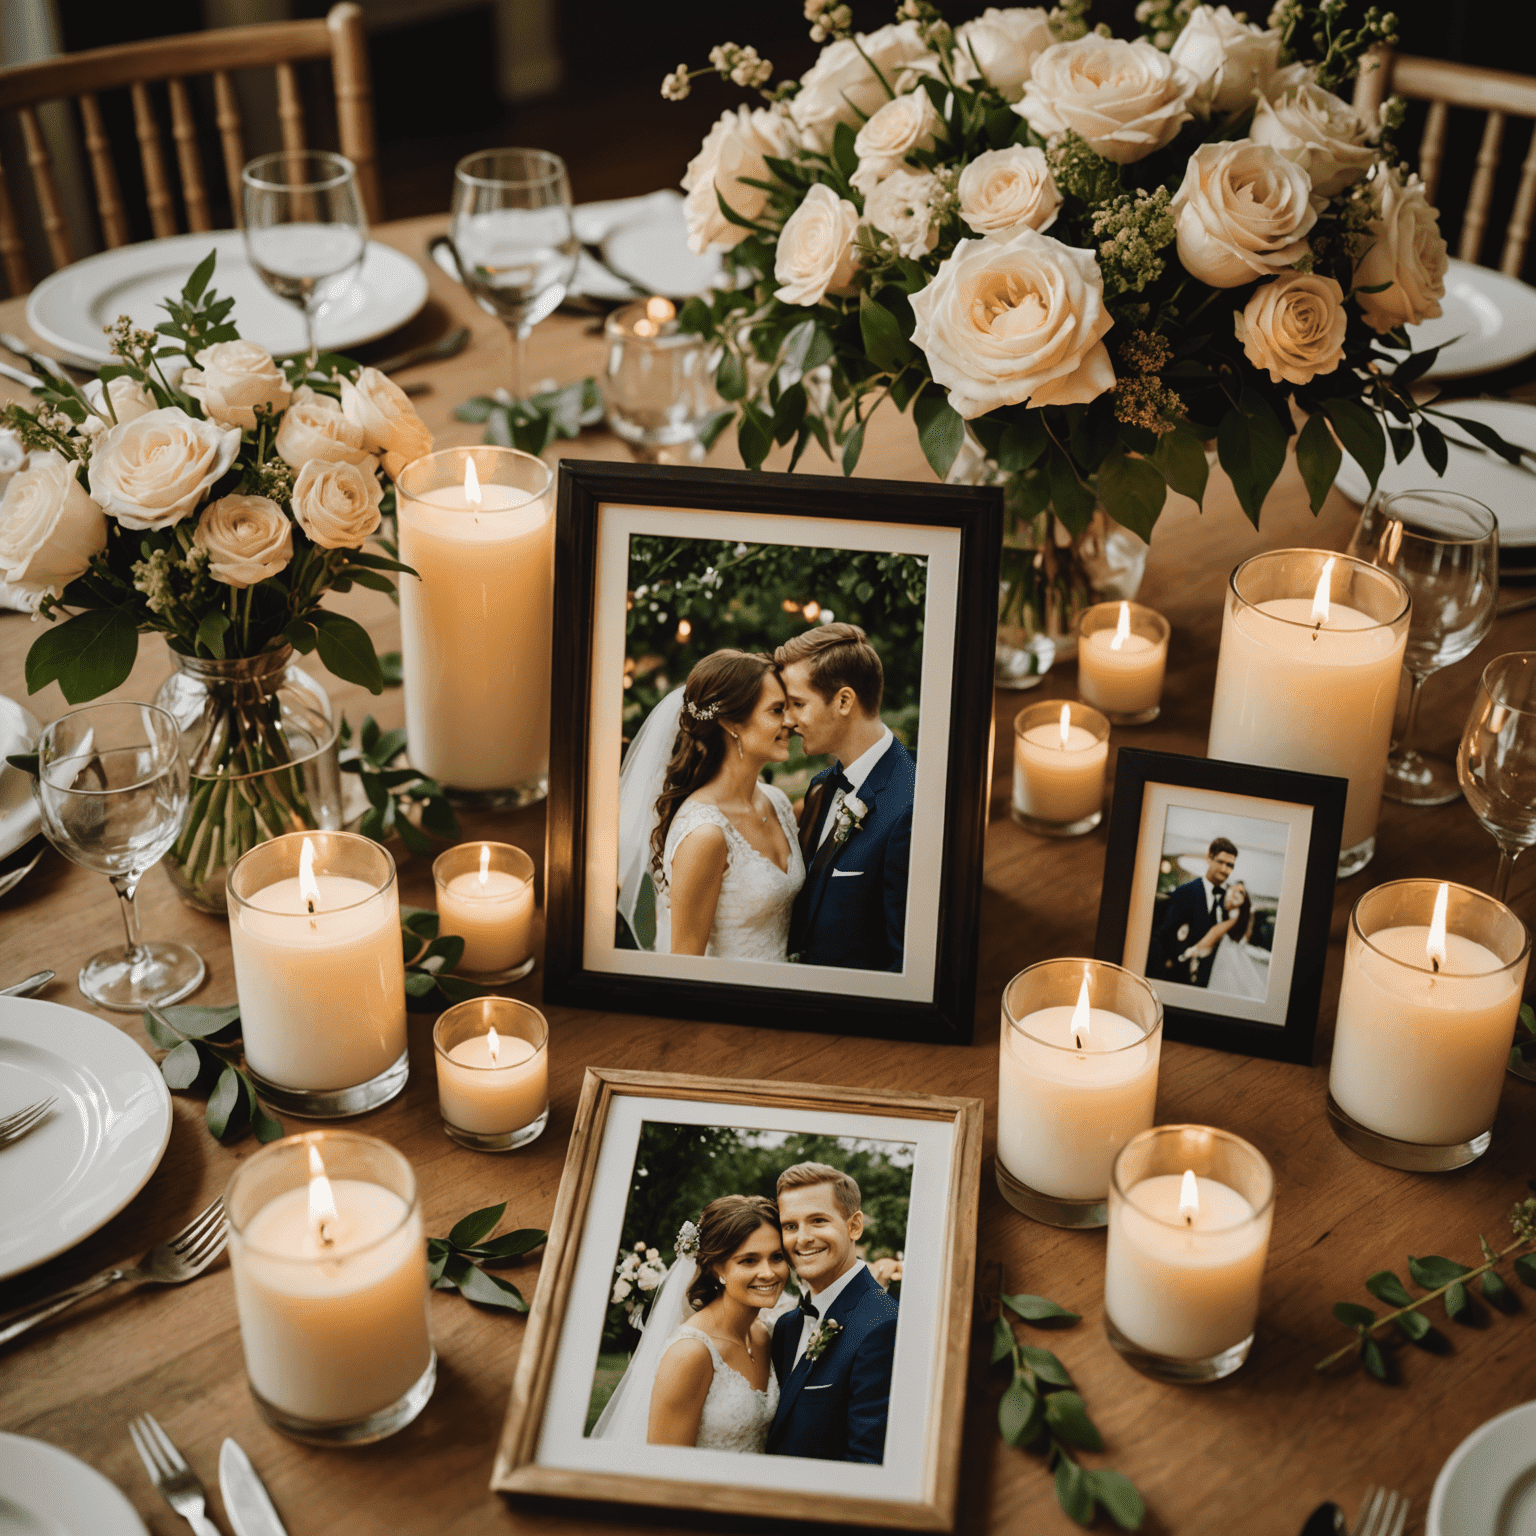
(47, 1492)
(99, 1144)
(1486, 319)
(20, 819)
(69, 307)
(1488, 1487)
(652, 252)
(1507, 490)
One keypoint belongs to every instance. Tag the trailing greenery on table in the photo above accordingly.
(395, 789)
(430, 985)
(533, 424)
(204, 1056)
(459, 1261)
(1523, 1051)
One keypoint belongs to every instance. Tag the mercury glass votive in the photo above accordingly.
(485, 897)
(492, 1073)
(656, 382)
(1060, 759)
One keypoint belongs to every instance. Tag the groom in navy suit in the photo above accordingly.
(856, 823)
(833, 1353)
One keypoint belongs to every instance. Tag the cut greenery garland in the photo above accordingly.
(457, 1262)
(204, 1056)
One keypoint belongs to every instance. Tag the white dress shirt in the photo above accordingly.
(825, 1299)
(856, 772)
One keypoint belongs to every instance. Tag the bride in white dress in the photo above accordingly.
(702, 1375)
(1240, 969)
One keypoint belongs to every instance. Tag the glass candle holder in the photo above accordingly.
(1060, 756)
(478, 527)
(485, 897)
(656, 382)
(492, 1073)
(314, 923)
(1077, 1079)
(1189, 1217)
(1311, 651)
(1122, 653)
(330, 1270)
(1426, 1019)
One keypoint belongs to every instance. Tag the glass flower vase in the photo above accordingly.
(262, 757)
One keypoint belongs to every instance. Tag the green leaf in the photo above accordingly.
(1180, 458)
(513, 1245)
(1044, 1364)
(198, 1023)
(194, 286)
(1015, 1411)
(1498, 1293)
(1361, 434)
(24, 762)
(1067, 1416)
(731, 377)
(884, 344)
(1525, 1267)
(225, 1103)
(1251, 445)
(1432, 1271)
(265, 1126)
(1133, 492)
(1375, 1361)
(1072, 1490)
(754, 437)
(1022, 444)
(712, 425)
(1071, 500)
(1352, 1315)
(88, 655)
(1002, 1341)
(346, 648)
(844, 155)
(853, 446)
(1118, 1495)
(1037, 1309)
(487, 1291)
(940, 429)
(1485, 435)
(1385, 1286)
(470, 1229)
(437, 1262)
(1458, 1303)
(210, 633)
(1318, 456)
(182, 1067)
(1415, 1325)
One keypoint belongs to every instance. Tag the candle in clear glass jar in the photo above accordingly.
(492, 1072)
(1060, 758)
(1122, 652)
(485, 897)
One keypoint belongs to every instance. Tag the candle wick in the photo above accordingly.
(324, 1234)
(1434, 961)
(1189, 1219)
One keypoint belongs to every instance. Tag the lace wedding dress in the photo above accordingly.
(736, 1415)
(752, 918)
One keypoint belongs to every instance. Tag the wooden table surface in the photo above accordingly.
(1251, 1455)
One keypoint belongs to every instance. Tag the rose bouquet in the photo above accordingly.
(1080, 260)
(201, 490)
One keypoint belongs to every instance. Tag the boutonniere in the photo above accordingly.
(823, 1336)
(850, 817)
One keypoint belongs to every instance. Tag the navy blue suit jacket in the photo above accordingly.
(852, 909)
(834, 1408)
(1186, 910)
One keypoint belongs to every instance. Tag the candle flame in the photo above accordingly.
(485, 864)
(1080, 1019)
(1189, 1198)
(322, 1203)
(1123, 628)
(659, 309)
(493, 1045)
(1320, 596)
(1066, 725)
(646, 327)
(1434, 945)
(471, 484)
(309, 887)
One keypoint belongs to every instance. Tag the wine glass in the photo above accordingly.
(112, 787)
(513, 239)
(1445, 549)
(305, 229)
(1497, 760)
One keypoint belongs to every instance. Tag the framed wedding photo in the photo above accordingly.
(769, 748)
(1218, 888)
(756, 1300)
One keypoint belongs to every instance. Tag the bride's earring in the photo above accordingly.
(739, 750)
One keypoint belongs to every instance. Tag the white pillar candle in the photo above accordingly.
(1120, 668)
(485, 897)
(1059, 769)
(489, 1092)
(475, 629)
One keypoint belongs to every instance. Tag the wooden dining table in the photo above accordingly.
(1249, 1456)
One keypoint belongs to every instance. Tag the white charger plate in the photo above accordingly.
(47, 1492)
(1488, 1487)
(98, 1145)
(652, 252)
(1509, 492)
(1486, 321)
(20, 819)
(69, 307)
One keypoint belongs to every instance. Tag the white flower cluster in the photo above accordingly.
(828, 18)
(639, 1272)
(741, 66)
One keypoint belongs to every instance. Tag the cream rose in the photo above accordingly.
(1125, 99)
(902, 207)
(902, 125)
(316, 428)
(1407, 251)
(1015, 318)
(337, 505)
(129, 400)
(231, 379)
(1229, 59)
(1003, 45)
(735, 148)
(1243, 211)
(1294, 326)
(247, 539)
(815, 251)
(1317, 130)
(1004, 188)
(389, 421)
(13, 454)
(152, 471)
(49, 527)
(840, 87)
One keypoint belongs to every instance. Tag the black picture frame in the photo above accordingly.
(1126, 868)
(975, 513)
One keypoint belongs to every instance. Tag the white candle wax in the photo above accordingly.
(1059, 783)
(322, 997)
(1063, 1114)
(1127, 681)
(1417, 1056)
(493, 914)
(337, 1337)
(475, 635)
(1289, 695)
(491, 1097)
(1188, 1291)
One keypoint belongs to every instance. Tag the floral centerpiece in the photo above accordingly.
(1081, 261)
(201, 490)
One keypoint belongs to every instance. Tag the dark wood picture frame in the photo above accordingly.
(1135, 769)
(976, 512)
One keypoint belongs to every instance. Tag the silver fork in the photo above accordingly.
(169, 1472)
(180, 1258)
(23, 1120)
(1384, 1513)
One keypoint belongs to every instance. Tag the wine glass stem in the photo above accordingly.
(126, 891)
(519, 334)
(1410, 723)
(313, 353)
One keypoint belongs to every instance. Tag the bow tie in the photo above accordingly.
(808, 1307)
(837, 779)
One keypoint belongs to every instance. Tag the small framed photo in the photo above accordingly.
(1218, 888)
(769, 751)
(755, 1299)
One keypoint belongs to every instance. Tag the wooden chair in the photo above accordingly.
(1501, 96)
(136, 66)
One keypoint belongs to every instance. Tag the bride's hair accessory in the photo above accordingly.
(687, 1244)
(708, 712)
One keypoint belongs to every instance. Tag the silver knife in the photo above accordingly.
(246, 1500)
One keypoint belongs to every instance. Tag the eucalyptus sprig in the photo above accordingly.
(1521, 1052)
(533, 424)
(454, 1263)
(204, 1056)
(1440, 1277)
(394, 789)
(1041, 1411)
(430, 985)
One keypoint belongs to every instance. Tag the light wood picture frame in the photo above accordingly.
(545, 1448)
